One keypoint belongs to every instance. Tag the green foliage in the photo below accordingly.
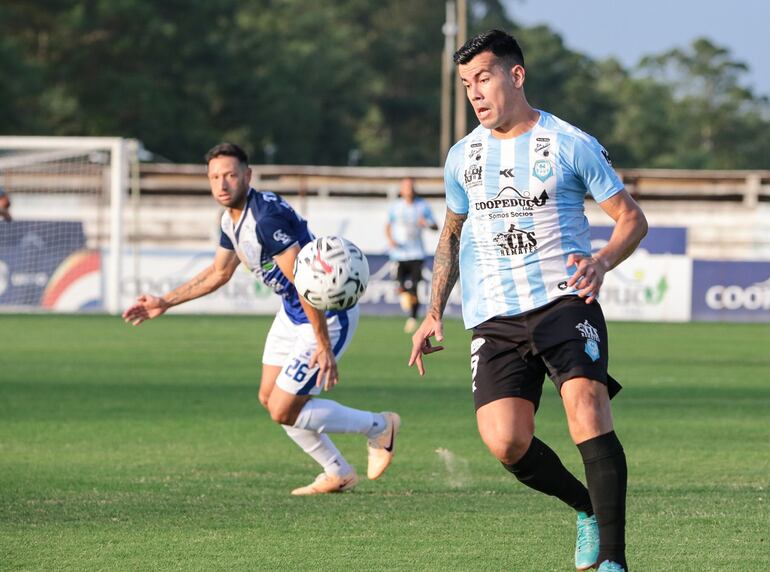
(145, 448)
(717, 123)
(329, 81)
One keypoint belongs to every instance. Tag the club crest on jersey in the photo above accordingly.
(543, 170)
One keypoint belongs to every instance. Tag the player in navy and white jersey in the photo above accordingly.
(407, 218)
(516, 234)
(262, 231)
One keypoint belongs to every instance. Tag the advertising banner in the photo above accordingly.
(731, 291)
(159, 271)
(44, 264)
(648, 287)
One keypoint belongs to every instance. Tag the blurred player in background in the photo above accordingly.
(262, 231)
(407, 218)
(517, 236)
(5, 205)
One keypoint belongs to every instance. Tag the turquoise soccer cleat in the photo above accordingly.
(587, 543)
(608, 566)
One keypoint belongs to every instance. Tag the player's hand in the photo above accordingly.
(323, 357)
(145, 308)
(421, 345)
(589, 276)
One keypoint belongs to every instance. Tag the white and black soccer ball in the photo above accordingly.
(331, 273)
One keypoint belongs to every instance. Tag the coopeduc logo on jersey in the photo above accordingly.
(511, 197)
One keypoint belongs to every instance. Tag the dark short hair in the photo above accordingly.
(502, 45)
(227, 150)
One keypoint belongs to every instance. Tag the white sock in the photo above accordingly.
(321, 448)
(327, 416)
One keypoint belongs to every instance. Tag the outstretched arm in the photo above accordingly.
(208, 280)
(446, 269)
(323, 356)
(630, 229)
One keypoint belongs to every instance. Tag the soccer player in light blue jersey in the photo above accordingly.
(407, 218)
(262, 231)
(516, 235)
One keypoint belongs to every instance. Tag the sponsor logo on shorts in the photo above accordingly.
(475, 347)
(476, 344)
(588, 331)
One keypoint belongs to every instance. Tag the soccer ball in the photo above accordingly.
(331, 273)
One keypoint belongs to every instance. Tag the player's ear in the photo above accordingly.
(518, 74)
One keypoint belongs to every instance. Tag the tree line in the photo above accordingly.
(339, 82)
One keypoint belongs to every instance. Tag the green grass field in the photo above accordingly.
(145, 449)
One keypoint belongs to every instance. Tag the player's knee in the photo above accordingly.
(283, 416)
(264, 399)
(510, 448)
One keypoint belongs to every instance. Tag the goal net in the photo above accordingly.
(61, 250)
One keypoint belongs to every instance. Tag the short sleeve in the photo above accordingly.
(593, 165)
(276, 234)
(456, 197)
(225, 242)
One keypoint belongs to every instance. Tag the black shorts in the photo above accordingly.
(408, 275)
(510, 355)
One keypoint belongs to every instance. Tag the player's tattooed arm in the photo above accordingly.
(206, 281)
(446, 263)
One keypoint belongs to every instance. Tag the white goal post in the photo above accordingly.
(70, 180)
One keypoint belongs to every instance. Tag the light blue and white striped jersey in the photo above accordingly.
(404, 219)
(524, 198)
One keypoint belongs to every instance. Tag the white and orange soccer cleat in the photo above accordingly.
(326, 483)
(383, 446)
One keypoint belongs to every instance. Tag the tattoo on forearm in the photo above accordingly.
(193, 289)
(446, 263)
